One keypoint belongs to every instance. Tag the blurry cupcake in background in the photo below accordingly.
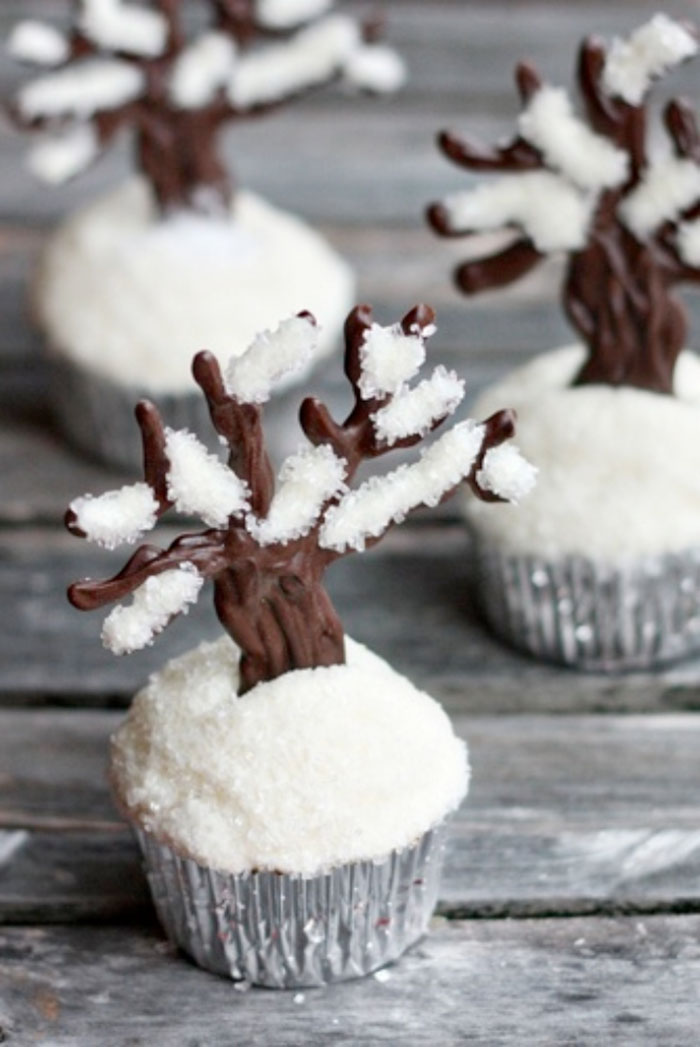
(289, 789)
(602, 569)
(174, 257)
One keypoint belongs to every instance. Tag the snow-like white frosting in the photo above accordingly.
(133, 298)
(619, 468)
(316, 768)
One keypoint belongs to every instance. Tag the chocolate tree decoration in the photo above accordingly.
(267, 544)
(136, 66)
(626, 215)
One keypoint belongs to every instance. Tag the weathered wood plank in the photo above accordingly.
(497, 983)
(409, 599)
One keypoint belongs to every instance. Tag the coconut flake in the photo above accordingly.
(415, 411)
(588, 159)
(202, 69)
(382, 500)
(116, 26)
(38, 43)
(376, 68)
(657, 46)
(388, 359)
(551, 211)
(116, 517)
(199, 484)
(82, 89)
(306, 481)
(506, 473)
(272, 356)
(667, 188)
(284, 14)
(160, 598)
(56, 158)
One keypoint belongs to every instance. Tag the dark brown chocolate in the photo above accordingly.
(270, 599)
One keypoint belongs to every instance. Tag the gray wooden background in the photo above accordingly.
(570, 910)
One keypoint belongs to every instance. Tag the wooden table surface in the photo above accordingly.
(570, 909)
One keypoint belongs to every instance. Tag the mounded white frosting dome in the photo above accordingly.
(619, 468)
(316, 768)
(133, 298)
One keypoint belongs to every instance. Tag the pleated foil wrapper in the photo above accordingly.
(289, 931)
(592, 615)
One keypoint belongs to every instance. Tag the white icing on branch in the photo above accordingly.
(633, 64)
(688, 241)
(57, 158)
(375, 68)
(588, 159)
(285, 14)
(117, 26)
(38, 43)
(160, 598)
(668, 186)
(552, 212)
(202, 69)
(307, 480)
(272, 356)
(506, 473)
(81, 90)
(415, 411)
(389, 358)
(199, 484)
(116, 517)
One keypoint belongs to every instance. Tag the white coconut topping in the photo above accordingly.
(116, 26)
(284, 14)
(618, 476)
(311, 56)
(506, 473)
(553, 213)
(688, 240)
(588, 159)
(306, 481)
(314, 769)
(81, 89)
(199, 484)
(202, 69)
(154, 603)
(375, 68)
(382, 500)
(631, 65)
(38, 43)
(56, 158)
(388, 359)
(414, 411)
(116, 517)
(668, 186)
(270, 357)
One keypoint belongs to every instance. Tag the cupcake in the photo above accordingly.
(174, 258)
(290, 790)
(600, 571)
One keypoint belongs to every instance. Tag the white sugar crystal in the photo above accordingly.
(202, 69)
(160, 598)
(374, 67)
(568, 144)
(56, 158)
(312, 56)
(272, 356)
(368, 511)
(388, 358)
(633, 64)
(688, 240)
(284, 14)
(81, 89)
(199, 484)
(116, 517)
(669, 185)
(38, 43)
(551, 211)
(306, 482)
(415, 410)
(116, 26)
(506, 473)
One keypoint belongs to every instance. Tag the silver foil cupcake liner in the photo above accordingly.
(96, 415)
(592, 615)
(288, 931)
